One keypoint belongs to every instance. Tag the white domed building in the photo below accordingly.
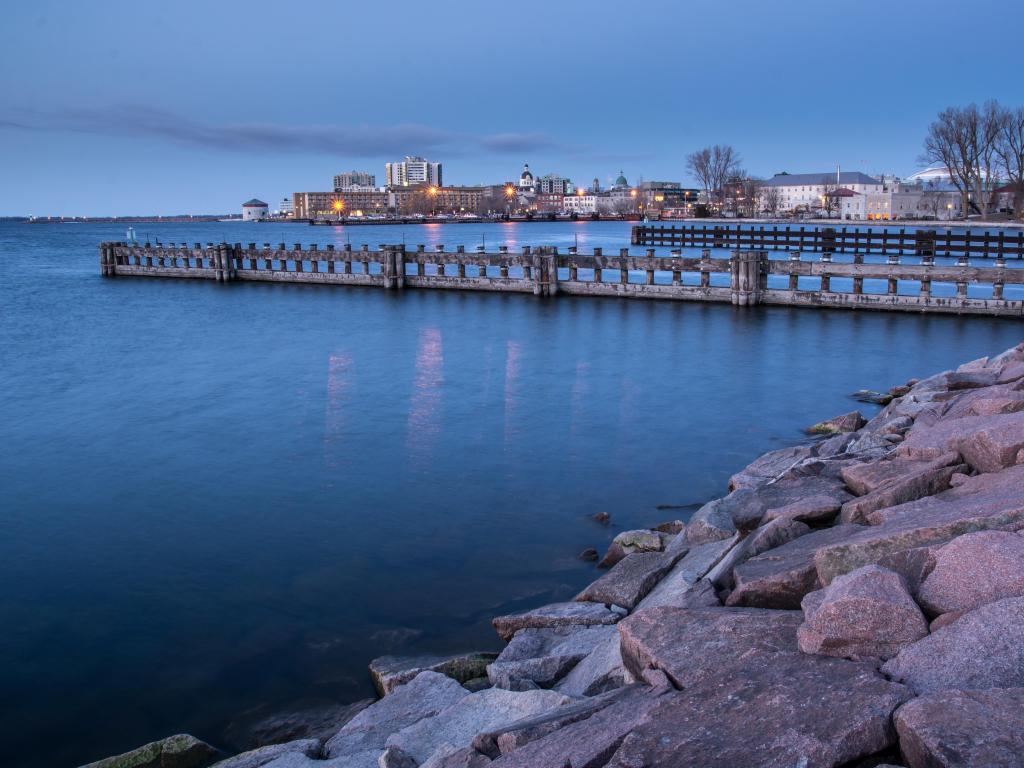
(255, 210)
(527, 184)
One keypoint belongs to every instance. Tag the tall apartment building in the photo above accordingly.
(553, 184)
(413, 171)
(354, 180)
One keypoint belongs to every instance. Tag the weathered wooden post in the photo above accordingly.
(597, 268)
(705, 271)
(538, 272)
(744, 267)
(398, 257)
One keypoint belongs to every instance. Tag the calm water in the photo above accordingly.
(219, 497)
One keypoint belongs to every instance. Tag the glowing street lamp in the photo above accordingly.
(338, 206)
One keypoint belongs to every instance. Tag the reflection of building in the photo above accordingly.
(412, 171)
(354, 179)
(255, 210)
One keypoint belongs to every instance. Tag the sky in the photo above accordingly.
(120, 108)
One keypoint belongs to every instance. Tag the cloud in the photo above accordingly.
(136, 121)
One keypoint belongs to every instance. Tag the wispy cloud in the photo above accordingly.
(352, 140)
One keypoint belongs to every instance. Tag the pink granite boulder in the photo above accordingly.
(963, 729)
(987, 443)
(974, 569)
(866, 613)
(980, 650)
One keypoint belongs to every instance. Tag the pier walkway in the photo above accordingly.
(745, 278)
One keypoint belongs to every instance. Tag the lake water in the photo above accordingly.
(220, 497)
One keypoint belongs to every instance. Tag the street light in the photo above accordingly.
(432, 191)
(338, 206)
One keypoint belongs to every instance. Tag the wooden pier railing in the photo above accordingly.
(747, 277)
(852, 240)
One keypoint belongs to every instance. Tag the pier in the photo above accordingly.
(744, 278)
(852, 240)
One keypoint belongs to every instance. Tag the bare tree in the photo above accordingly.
(963, 139)
(713, 167)
(933, 201)
(830, 198)
(769, 199)
(1009, 150)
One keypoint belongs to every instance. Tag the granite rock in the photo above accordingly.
(848, 422)
(987, 443)
(256, 758)
(600, 671)
(630, 580)
(179, 751)
(628, 542)
(770, 466)
(982, 649)
(963, 729)
(679, 588)
(544, 656)
(866, 613)
(974, 569)
(557, 615)
(388, 672)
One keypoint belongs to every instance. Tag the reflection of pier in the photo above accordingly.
(904, 282)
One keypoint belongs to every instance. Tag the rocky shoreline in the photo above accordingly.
(857, 601)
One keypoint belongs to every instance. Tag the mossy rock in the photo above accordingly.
(179, 751)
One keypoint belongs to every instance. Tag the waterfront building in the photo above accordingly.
(428, 199)
(806, 191)
(255, 210)
(620, 182)
(548, 202)
(354, 180)
(353, 202)
(286, 208)
(411, 171)
(580, 203)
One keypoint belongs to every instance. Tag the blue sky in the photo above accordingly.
(143, 107)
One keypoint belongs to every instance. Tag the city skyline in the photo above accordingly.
(125, 110)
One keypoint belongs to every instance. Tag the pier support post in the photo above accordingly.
(399, 262)
(552, 270)
(745, 269)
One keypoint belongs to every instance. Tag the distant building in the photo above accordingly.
(580, 204)
(526, 184)
(354, 180)
(806, 191)
(419, 199)
(255, 210)
(552, 183)
(287, 207)
(548, 202)
(412, 171)
(354, 202)
(620, 182)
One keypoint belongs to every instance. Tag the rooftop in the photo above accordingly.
(812, 179)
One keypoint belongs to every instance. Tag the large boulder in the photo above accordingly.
(388, 672)
(990, 401)
(981, 649)
(789, 710)
(557, 615)
(770, 466)
(865, 478)
(257, 758)
(590, 741)
(628, 542)
(974, 569)
(692, 645)
(963, 729)
(364, 736)
(542, 657)
(679, 588)
(712, 522)
(487, 710)
(848, 422)
(780, 577)
(866, 613)
(179, 751)
(809, 499)
(920, 479)
(630, 580)
(600, 671)
(986, 502)
(987, 443)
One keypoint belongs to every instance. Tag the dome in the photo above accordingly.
(621, 181)
(526, 175)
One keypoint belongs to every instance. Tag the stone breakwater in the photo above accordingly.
(856, 601)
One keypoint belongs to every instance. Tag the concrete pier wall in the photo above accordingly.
(742, 279)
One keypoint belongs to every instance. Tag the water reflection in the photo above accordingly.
(338, 383)
(424, 408)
